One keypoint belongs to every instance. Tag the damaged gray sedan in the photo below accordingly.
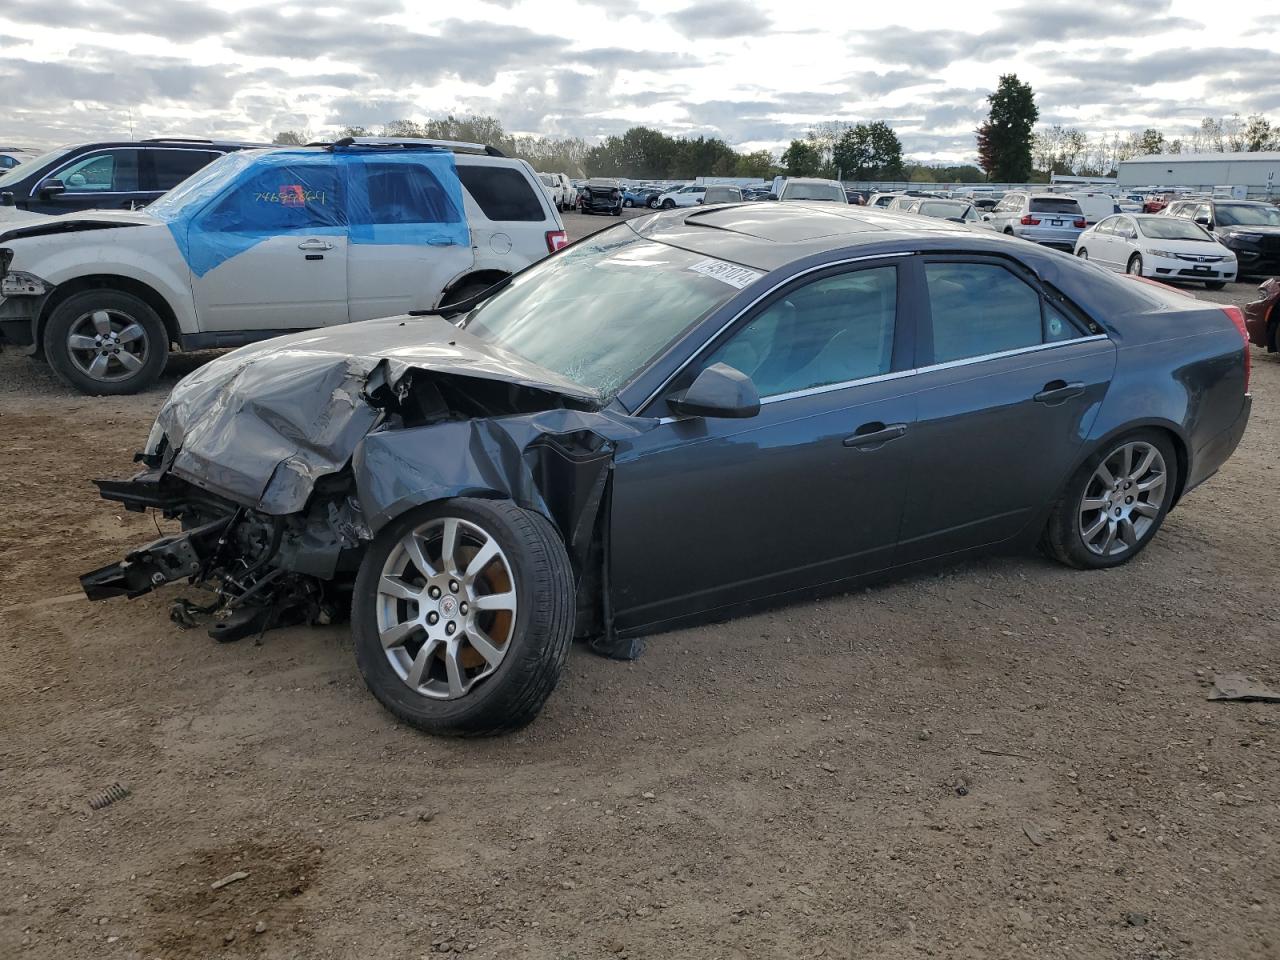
(685, 416)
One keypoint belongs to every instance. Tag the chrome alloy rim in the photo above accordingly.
(1123, 499)
(107, 345)
(446, 608)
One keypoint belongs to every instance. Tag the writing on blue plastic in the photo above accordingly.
(292, 195)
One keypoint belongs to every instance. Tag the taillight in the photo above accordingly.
(1082, 223)
(1029, 221)
(1237, 317)
(556, 239)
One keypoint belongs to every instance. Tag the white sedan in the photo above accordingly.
(1164, 248)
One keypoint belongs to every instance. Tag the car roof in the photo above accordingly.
(768, 236)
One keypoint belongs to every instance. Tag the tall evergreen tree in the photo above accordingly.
(1013, 114)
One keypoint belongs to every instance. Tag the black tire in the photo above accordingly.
(1082, 253)
(123, 311)
(668, 204)
(617, 211)
(653, 203)
(1063, 540)
(1008, 231)
(1215, 284)
(539, 644)
(1134, 266)
(627, 203)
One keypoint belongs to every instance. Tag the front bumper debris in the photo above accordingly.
(182, 556)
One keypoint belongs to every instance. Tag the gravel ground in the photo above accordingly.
(1003, 759)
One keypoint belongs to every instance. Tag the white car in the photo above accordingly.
(687, 196)
(813, 188)
(262, 242)
(554, 188)
(1164, 248)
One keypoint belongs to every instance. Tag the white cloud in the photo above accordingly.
(755, 72)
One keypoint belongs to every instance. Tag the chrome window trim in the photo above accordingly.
(902, 374)
(751, 306)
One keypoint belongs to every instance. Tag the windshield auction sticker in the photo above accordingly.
(729, 273)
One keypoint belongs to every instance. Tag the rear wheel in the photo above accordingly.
(1115, 503)
(1134, 266)
(627, 203)
(462, 616)
(106, 342)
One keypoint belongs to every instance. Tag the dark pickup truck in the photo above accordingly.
(599, 196)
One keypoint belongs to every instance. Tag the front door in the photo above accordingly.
(108, 179)
(402, 253)
(271, 252)
(712, 512)
(1008, 387)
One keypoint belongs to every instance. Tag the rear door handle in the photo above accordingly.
(315, 245)
(871, 436)
(1058, 391)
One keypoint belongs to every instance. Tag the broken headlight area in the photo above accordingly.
(19, 284)
(256, 571)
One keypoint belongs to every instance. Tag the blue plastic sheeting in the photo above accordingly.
(236, 202)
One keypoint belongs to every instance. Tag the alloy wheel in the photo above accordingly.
(107, 345)
(446, 607)
(1123, 499)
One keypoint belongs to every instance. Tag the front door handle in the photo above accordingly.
(872, 436)
(315, 245)
(1058, 391)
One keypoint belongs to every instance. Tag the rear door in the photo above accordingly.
(163, 168)
(509, 215)
(1008, 386)
(271, 252)
(393, 201)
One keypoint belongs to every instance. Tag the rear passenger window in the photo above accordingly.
(170, 167)
(400, 193)
(501, 192)
(982, 308)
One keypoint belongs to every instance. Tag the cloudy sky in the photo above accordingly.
(755, 72)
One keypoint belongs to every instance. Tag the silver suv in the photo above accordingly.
(1047, 218)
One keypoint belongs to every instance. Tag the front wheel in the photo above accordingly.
(668, 204)
(627, 203)
(1115, 503)
(106, 342)
(462, 616)
(653, 204)
(1134, 266)
(1082, 253)
(1215, 284)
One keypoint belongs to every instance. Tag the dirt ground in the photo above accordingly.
(1006, 759)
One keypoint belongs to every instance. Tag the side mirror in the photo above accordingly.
(718, 391)
(6, 199)
(956, 219)
(1203, 221)
(986, 216)
(51, 188)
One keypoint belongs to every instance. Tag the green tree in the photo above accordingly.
(986, 154)
(1150, 141)
(290, 138)
(802, 159)
(868, 151)
(1008, 129)
(759, 164)
(1259, 134)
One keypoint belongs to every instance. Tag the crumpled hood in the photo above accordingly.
(261, 424)
(15, 224)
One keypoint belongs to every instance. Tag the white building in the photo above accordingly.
(1259, 172)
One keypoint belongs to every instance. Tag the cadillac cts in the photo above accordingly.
(803, 396)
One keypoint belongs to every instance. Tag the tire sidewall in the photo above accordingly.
(445, 716)
(1066, 518)
(56, 330)
(1135, 259)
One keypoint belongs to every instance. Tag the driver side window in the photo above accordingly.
(113, 171)
(832, 330)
